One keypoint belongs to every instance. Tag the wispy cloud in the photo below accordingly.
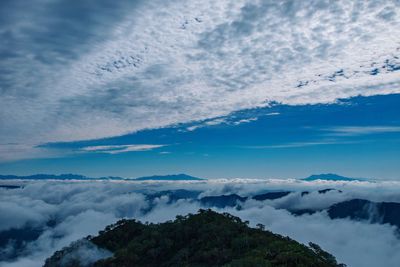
(338, 134)
(245, 120)
(228, 120)
(361, 130)
(116, 149)
(302, 144)
(17, 151)
(206, 123)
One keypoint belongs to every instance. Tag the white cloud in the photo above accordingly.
(356, 244)
(362, 130)
(302, 144)
(83, 208)
(17, 151)
(206, 123)
(116, 149)
(245, 120)
(228, 120)
(167, 62)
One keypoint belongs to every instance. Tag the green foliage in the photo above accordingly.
(204, 239)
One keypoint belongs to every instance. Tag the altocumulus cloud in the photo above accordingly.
(74, 71)
(63, 212)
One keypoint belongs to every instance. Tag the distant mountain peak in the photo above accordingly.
(330, 177)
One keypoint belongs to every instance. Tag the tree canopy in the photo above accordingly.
(207, 238)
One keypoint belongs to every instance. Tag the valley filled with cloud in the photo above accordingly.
(44, 216)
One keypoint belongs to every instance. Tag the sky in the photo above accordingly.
(215, 89)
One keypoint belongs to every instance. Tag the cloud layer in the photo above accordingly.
(93, 70)
(64, 212)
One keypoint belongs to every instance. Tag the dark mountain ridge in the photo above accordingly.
(361, 209)
(271, 195)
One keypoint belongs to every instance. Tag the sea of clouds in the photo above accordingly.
(66, 211)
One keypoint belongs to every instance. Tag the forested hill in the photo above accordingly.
(203, 239)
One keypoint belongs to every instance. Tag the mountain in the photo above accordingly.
(271, 195)
(173, 177)
(203, 239)
(330, 177)
(11, 186)
(322, 191)
(233, 200)
(361, 209)
(45, 177)
(19, 238)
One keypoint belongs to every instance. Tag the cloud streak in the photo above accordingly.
(116, 149)
(362, 130)
(302, 144)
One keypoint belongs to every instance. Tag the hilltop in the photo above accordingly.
(203, 239)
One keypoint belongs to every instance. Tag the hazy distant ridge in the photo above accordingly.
(173, 177)
(330, 177)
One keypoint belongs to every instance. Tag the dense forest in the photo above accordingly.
(207, 238)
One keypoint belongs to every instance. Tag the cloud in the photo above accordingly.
(362, 130)
(116, 149)
(17, 151)
(85, 252)
(302, 144)
(246, 120)
(20, 211)
(348, 241)
(206, 123)
(227, 120)
(79, 71)
(68, 211)
(335, 136)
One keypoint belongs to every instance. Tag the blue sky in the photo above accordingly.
(359, 137)
(210, 88)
